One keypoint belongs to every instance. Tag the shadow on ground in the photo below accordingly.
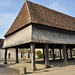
(55, 63)
(5, 70)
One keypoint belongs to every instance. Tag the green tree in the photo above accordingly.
(39, 54)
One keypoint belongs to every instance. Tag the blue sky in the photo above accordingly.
(10, 8)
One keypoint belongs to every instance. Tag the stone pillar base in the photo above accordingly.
(34, 69)
(47, 66)
(5, 62)
(23, 71)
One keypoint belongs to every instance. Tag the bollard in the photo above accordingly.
(22, 70)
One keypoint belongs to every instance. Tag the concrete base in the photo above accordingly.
(47, 66)
(5, 62)
(23, 71)
(34, 69)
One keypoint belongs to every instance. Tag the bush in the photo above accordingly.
(39, 54)
(29, 51)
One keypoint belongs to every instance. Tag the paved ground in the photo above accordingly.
(6, 70)
(58, 68)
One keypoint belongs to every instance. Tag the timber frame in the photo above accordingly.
(43, 28)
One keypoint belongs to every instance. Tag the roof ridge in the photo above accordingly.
(28, 9)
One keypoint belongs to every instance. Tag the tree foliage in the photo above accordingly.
(39, 54)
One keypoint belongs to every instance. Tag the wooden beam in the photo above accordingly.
(5, 62)
(71, 53)
(60, 53)
(64, 53)
(53, 54)
(17, 55)
(43, 56)
(32, 46)
(46, 47)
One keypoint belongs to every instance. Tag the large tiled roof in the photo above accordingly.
(35, 13)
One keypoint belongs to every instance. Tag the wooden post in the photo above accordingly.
(60, 54)
(43, 56)
(64, 53)
(17, 55)
(46, 47)
(53, 54)
(67, 52)
(5, 62)
(32, 46)
(70, 52)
